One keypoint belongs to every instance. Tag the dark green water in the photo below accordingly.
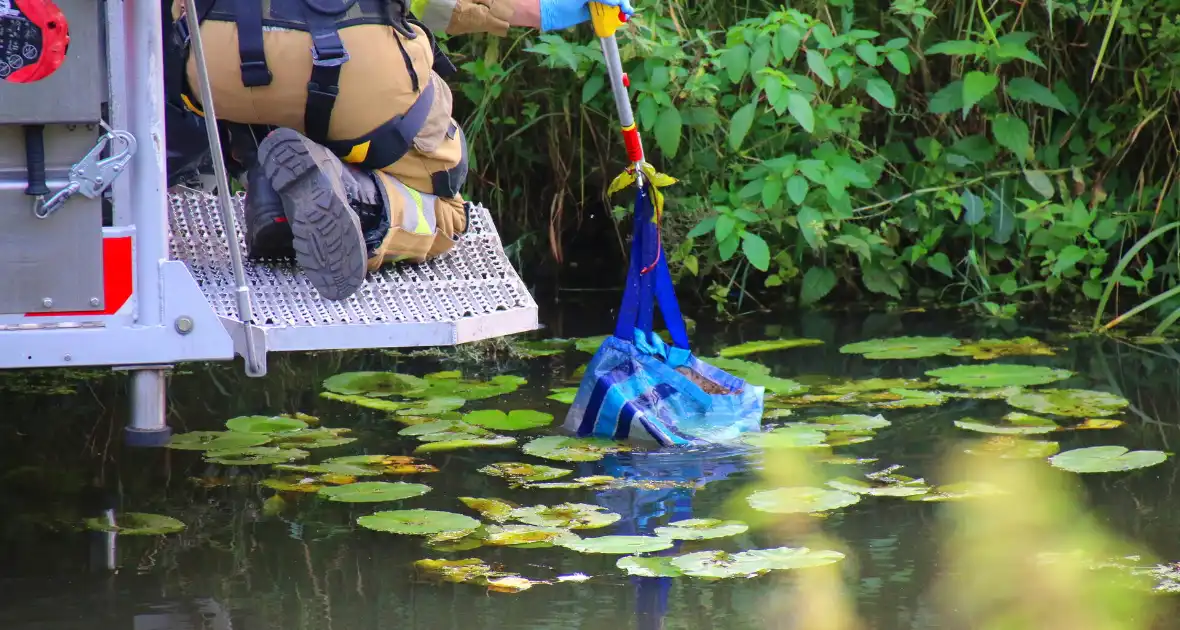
(310, 568)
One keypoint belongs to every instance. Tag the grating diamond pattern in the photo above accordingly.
(473, 279)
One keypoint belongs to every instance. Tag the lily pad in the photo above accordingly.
(1100, 459)
(567, 449)
(1070, 402)
(846, 422)
(417, 522)
(617, 544)
(374, 384)
(988, 393)
(495, 441)
(450, 386)
(442, 427)
(910, 488)
(216, 441)
(739, 367)
(516, 420)
(775, 385)
(494, 510)
(563, 395)
(136, 524)
(258, 456)
(768, 345)
(998, 375)
(912, 398)
(590, 344)
(701, 529)
(787, 437)
(580, 482)
(649, 566)
(432, 406)
(958, 492)
(1009, 447)
(1097, 424)
(457, 571)
(901, 347)
(380, 404)
(314, 438)
(374, 492)
(307, 485)
(800, 500)
(872, 385)
(1013, 424)
(519, 472)
(511, 584)
(987, 349)
(532, 535)
(718, 565)
(264, 424)
(544, 347)
(567, 516)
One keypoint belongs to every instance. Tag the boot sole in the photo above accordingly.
(326, 233)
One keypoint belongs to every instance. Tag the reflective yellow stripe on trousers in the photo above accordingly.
(418, 214)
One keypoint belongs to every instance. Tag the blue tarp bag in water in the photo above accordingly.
(637, 387)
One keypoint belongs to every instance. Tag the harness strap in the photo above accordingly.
(327, 55)
(392, 140)
(248, 16)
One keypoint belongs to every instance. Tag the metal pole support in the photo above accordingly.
(148, 409)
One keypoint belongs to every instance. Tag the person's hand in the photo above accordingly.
(558, 15)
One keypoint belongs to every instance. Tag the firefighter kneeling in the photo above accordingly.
(360, 162)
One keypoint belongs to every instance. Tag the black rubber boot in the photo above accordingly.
(268, 233)
(314, 186)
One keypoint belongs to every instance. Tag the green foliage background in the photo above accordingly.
(994, 154)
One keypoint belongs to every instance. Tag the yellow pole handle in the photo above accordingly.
(606, 19)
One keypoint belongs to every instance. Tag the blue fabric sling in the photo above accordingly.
(633, 389)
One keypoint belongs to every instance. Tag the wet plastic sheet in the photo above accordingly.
(635, 387)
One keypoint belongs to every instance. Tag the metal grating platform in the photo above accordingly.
(470, 293)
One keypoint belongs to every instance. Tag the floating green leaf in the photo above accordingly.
(617, 544)
(216, 440)
(959, 492)
(800, 499)
(901, 347)
(494, 510)
(374, 384)
(719, 565)
(649, 566)
(264, 424)
(767, 345)
(701, 529)
(997, 375)
(293, 484)
(987, 349)
(787, 437)
(1008, 447)
(432, 406)
(457, 571)
(374, 492)
(580, 482)
(544, 348)
(532, 535)
(590, 344)
(497, 441)
(136, 524)
(775, 385)
(567, 516)
(846, 422)
(998, 393)
(1070, 402)
(314, 438)
(1012, 424)
(442, 426)
(380, 404)
(906, 488)
(449, 386)
(567, 449)
(739, 367)
(912, 398)
(258, 456)
(563, 395)
(519, 472)
(870, 385)
(1100, 459)
(516, 420)
(417, 522)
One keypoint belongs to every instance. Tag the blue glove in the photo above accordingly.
(558, 15)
